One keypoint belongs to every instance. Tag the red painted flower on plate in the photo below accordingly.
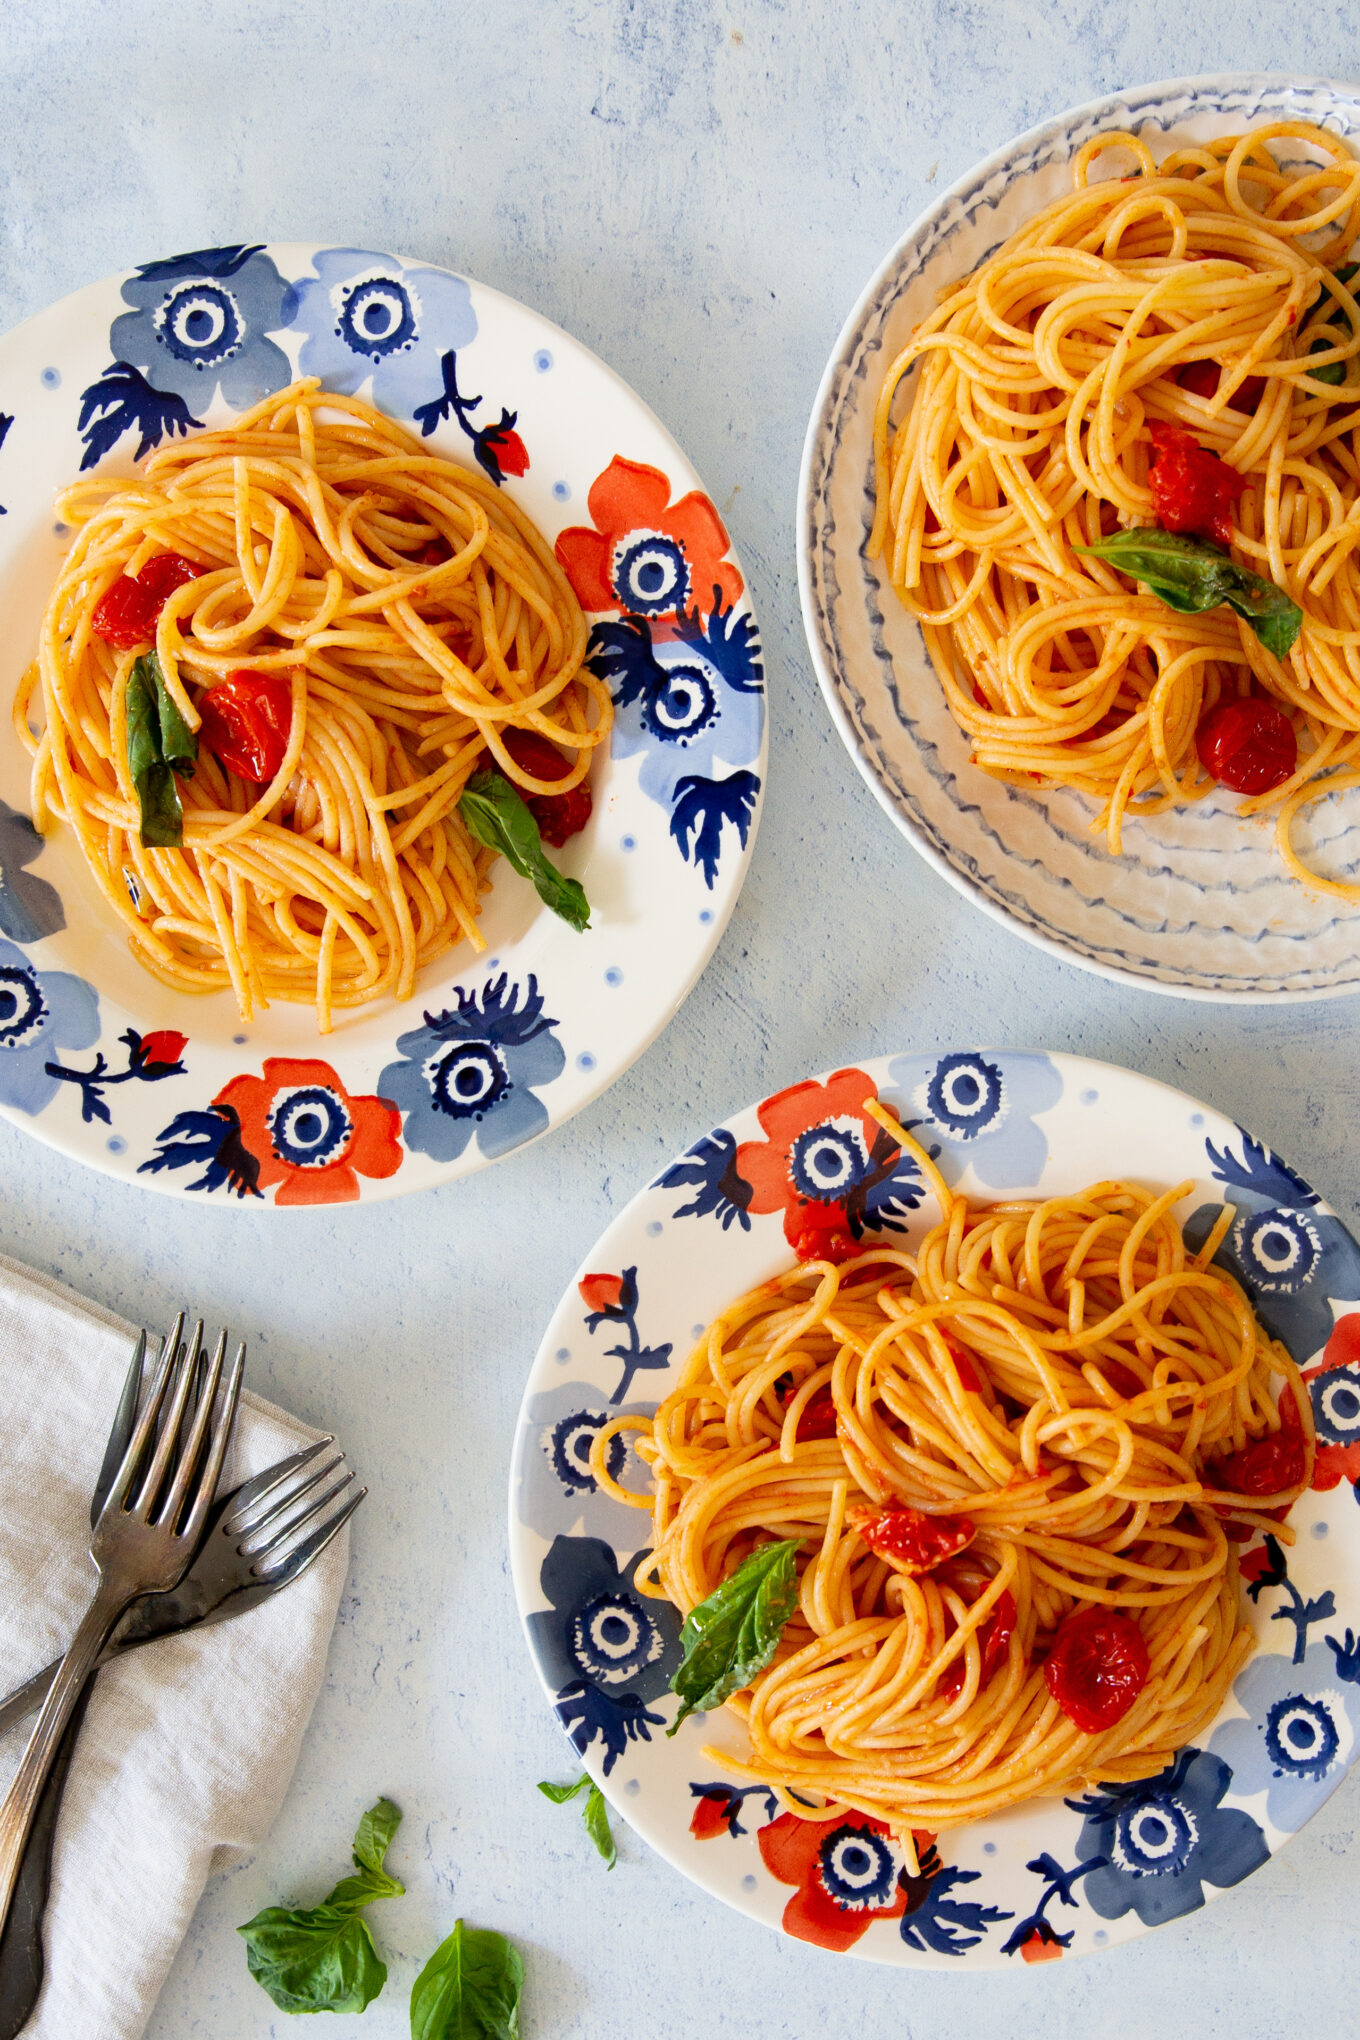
(309, 1135)
(1334, 1387)
(646, 555)
(846, 1870)
(828, 1166)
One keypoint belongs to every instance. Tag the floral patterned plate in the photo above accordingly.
(1199, 904)
(1057, 1876)
(103, 1062)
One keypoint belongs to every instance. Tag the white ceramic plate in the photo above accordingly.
(1045, 1879)
(103, 1062)
(1199, 904)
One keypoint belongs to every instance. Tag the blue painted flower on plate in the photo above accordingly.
(555, 1489)
(1165, 1838)
(42, 1013)
(981, 1110)
(476, 1068)
(603, 1649)
(29, 906)
(200, 322)
(367, 314)
(1299, 1733)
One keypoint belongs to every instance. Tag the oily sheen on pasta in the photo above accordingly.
(1071, 1405)
(1206, 295)
(418, 619)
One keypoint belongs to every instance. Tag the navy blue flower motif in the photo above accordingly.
(150, 1059)
(367, 314)
(710, 1167)
(935, 1921)
(613, 1300)
(602, 1648)
(1299, 1732)
(1035, 1934)
(475, 1069)
(200, 322)
(982, 1111)
(690, 704)
(41, 1014)
(554, 1487)
(1165, 1838)
(209, 1140)
(1292, 1260)
(1269, 1568)
(719, 1809)
(497, 448)
(6, 420)
(29, 906)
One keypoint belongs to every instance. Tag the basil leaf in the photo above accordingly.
(469, 1989)
(496, 816)
(1190, 575)
(596, 1812)
(598, 1828)
(733, 1635)
(160, 744)
(321, 1958)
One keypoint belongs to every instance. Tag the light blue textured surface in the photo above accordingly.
(699, 195)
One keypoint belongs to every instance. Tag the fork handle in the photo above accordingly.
(21, 1943)
(77, 1668)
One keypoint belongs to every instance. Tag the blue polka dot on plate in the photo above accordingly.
(562, 491)
(61, 531)
(563, 1353)
(585, 1060)
(632, 1788)
(116, 1144)
(628, 843)
(989, 1848)
(543, 361)
(653, 1227)
(697, 1331)
(705, 915)
(613, 976)
(748, 1882)
(1100, 1937)
(1321, 1529)
(1090, 1097)
(240, 1039)
(1197, 1119)
(50, 378)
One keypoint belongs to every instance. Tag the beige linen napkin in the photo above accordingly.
(189, 1742)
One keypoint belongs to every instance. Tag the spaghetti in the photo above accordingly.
(1069, 1406)
(1197, 304)
(409, 621)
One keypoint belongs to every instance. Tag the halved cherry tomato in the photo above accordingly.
(824, 1235)
(818, 1419)
(1202, 378)
(559, 815)
(1248, 744)
(246, 719)
(127, 614)
(994, 1640)
(913, 1542)
(1270, 1465)
(1192, 488)
(1097, 1667)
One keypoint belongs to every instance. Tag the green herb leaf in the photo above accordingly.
(560, 1794)
(598, 1828)
(469, 1989)
(321, 1958)
(733, 1635)
(1191, 575)
(496, 816)
(160, 745)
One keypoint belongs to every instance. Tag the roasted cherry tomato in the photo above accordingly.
(994, 1640)
(912, 1542)
(1270, 1465)
(127, 614)
(559, 815)
(818, 1419)
(246, 719)
(1202, 378)
(967, 1373)
(1097, 1667)
(824, 1235)
(1248, 744)
(1192, 488)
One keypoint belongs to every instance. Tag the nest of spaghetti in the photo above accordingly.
(415, 627)
(1200, 306)
(996, 1455)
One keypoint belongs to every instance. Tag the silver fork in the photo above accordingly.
(143, 1543)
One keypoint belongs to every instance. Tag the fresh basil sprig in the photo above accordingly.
(469, 1989)
(595, 1812)
(321, 1958)
(497, 816)
(160, 745)
(733, 1635)
(1333, 373)
(1191, 575)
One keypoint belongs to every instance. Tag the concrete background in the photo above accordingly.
(698, 191)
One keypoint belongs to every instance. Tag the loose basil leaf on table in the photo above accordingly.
(469, 1989)
(497, 816)
(733, 1635)
(321, 1958)
(1190, 575)
(595, 1812)
(160, 745)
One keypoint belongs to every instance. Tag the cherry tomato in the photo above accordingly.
(824, 1235)
(1248, 744)
(559, 815)
(912, 1542)
(246, 719)
(1097, 1667)
(818, 1419)
(127, 614)
(1192, 488)
(994, 1640)
(966, 1371)
(1202, 378)
(1270, 1465)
